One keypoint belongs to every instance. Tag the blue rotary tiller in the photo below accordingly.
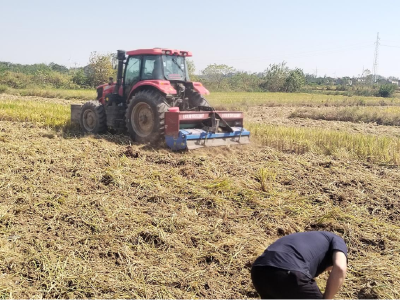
(204, 128)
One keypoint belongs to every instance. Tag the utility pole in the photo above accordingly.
(375, 66)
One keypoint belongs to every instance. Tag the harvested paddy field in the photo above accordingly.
(303, 117)
(100, 216)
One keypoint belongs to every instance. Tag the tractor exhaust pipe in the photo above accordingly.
(121, 59)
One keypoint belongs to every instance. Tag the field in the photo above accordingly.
(102, 217)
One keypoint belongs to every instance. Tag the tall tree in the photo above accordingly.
(99, 69)
(295, 80)
(217, 74)
(275, 77)
(191, 67)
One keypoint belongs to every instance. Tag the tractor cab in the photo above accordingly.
(163, 67)
(164, 70)
(158, 64)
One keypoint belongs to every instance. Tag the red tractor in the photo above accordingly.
(152, 84)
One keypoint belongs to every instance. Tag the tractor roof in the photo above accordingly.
(159, 51)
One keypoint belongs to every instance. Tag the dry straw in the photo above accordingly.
(100, 217)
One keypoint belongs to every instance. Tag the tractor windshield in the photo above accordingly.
(174, 67)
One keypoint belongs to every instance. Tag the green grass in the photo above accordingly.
(323, 141)
(233, 100)
(242, 101)
(44, 113)
(3, 88)
(379, 115)
(89, 94)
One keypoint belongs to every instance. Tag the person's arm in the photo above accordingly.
(338, 273)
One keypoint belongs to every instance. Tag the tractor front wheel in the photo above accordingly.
(93, 117)
(145, 117)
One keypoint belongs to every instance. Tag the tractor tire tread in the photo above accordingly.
(196, 99)
(160, 106)
(100, 113)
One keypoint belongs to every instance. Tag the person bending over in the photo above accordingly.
(287, 268)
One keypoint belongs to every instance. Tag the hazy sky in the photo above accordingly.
(335, 38)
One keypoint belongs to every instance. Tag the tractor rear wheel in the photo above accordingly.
(145, 117)
(196, 99)
(93, 117)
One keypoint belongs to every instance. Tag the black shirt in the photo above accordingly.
(307, 252)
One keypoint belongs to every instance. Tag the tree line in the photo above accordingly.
(276, 78)
(280, 78)
(216, 77)
(53, 75)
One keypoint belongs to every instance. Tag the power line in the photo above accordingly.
(390, 46)
(306, 53)
(331, 51)
(387, 41)
(325, 51)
